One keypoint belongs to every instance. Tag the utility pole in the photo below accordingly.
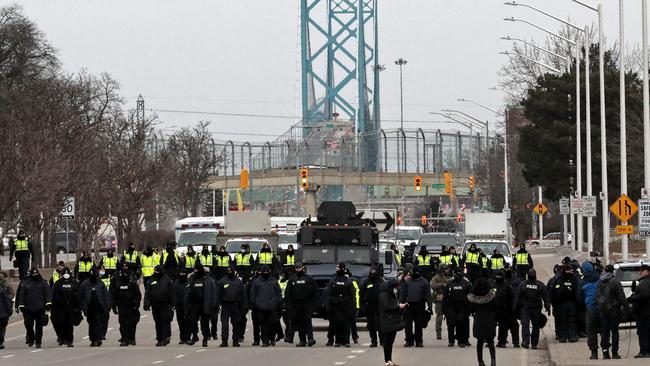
(624, 243)
(401, 62)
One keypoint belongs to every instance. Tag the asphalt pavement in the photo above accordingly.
(145, 353)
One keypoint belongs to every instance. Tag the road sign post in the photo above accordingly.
(644, 218)
(68, 213)
(576, 209)
(565, 209)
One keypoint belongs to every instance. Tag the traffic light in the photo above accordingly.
(417, 183)
(243, 179)
(472, 183)
(304, 178)
(424, 219)
(448, 187)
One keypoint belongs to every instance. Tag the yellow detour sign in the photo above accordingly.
(624, 229)
(623, 208)
(540, 209)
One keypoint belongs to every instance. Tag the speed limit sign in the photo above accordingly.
(68, 208)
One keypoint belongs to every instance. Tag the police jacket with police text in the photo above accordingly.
(532, 294)
(566, 288)
(201, 291)
(65, 294)
(125, 293)
(456, 293)
(34, 294)
(301, 288)
(340, 292)
(232, 290)
(265, 293)
(160, 291)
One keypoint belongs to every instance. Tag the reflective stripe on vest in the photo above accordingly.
(84, 267)
(131, 258)
(357, 295)
(289, 260)
(156, 258)
(206, 260)
(243, 259)
(283, 286)
(471, 258)
(223, 261)
(265, 258)
(107, 282)
(497, 263)
(109, 263)
(190, 261)
(55, 276)
(398, 259)
(446, 259)
(148, 264)
(522, 259)
(424, 261)
(484, 261)
(21, 245)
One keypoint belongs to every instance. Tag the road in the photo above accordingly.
(145, 353)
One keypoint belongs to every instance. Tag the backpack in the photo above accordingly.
(605, 302)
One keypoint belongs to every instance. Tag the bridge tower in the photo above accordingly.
(340, 70)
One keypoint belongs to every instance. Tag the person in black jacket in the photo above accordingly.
(369, 300)
(529, 300)
(390, 316)
(126, 297)
(484, 308)
(233, 300)
(611, 304)
(566, 295)
(6, 306)
(65, 307)
(640, 301)
(170, 261)
(301, 295)
(416, 292)
(23, 250)
(34, 299)
(339, 301)
(455, 306)
(503, 302)
(265, 295)
(159, 297)
(184, 329)
(95, 303)
(200, 301)
(83, 266)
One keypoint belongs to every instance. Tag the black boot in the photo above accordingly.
(606, 354)
(594, 355)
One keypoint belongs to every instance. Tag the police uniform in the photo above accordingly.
(200, 302)
(126, 297)
(340, 298)
(147, 263)
(416, 292)
(529, 299)
(23, 251)
(33, 298)
(370, 302)
(184, 329)
(160, 298)
(170, 262)
(300, 296)
(110, 264)
(82, 269)
(522, 263)
(233, 299)
(131, 258)
(455, 307)
(243, 262)
(473, 264)
(222, 263)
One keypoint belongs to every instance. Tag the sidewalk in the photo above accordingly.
(578, 353)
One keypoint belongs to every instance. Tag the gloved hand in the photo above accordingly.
(114, 310)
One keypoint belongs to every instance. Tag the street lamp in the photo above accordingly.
(567, 59)
(531, 60)
(471, 132)
(401, 62)
(476, 121)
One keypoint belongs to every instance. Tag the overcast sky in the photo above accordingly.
(241, 56)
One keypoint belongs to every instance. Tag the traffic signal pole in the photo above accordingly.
(541, 217)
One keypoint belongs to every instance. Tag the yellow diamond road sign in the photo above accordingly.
(540, 209)
(623, 208)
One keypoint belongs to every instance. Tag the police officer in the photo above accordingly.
(416, 293)
(446, 258)
(170, 261)
(497, 261)
(438, 284)
(106, 279)
(65, 306)
(58, 272)
(283, 282)
(243, 262)
(398, 255)
(126, 297)
(233, 300)
(529, 300)
(339, 300)
(131, 258)
(370, 289)
(514, 282)
(95, 303)
(456, 309)
(200, 302)
(189, 259)
(265, 296)
(266, 258)
(566, 295)
(473, 263)
(84, 264)
(357, 306)
(148, 261)
(289, 261)
(522, 262)
(22, 248)
(301, 295)
(184, 328)
(206, 258)
(424, 264)
(109, 262)
(159, 297)
(503, 304)
(485, 264)
(6, 306)
(222, 262)
(455, 256)
(33, 299)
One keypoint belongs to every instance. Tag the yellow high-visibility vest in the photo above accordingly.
(265, 258)
(165, 255)
(148, 263)
(21, 245)
(190, 261)
(223, 261)
(398, 259)
(242, 259)
(55, 276)
(131, 258)
(84, 267)
(497, 263)
(109, 263)
(290, 260)
(156, 258)
(424, 260)
(484, 261)
(471, 258)
(206, 260)
(107, 282)
(446, 259)
(522, 259)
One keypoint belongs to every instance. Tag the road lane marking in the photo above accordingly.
(358, 351)
(156, 362)
(340, 363)
(8, 356)
(180, 356)
(366, 344)
(200, 350)
(352, 356)
(36, 350)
